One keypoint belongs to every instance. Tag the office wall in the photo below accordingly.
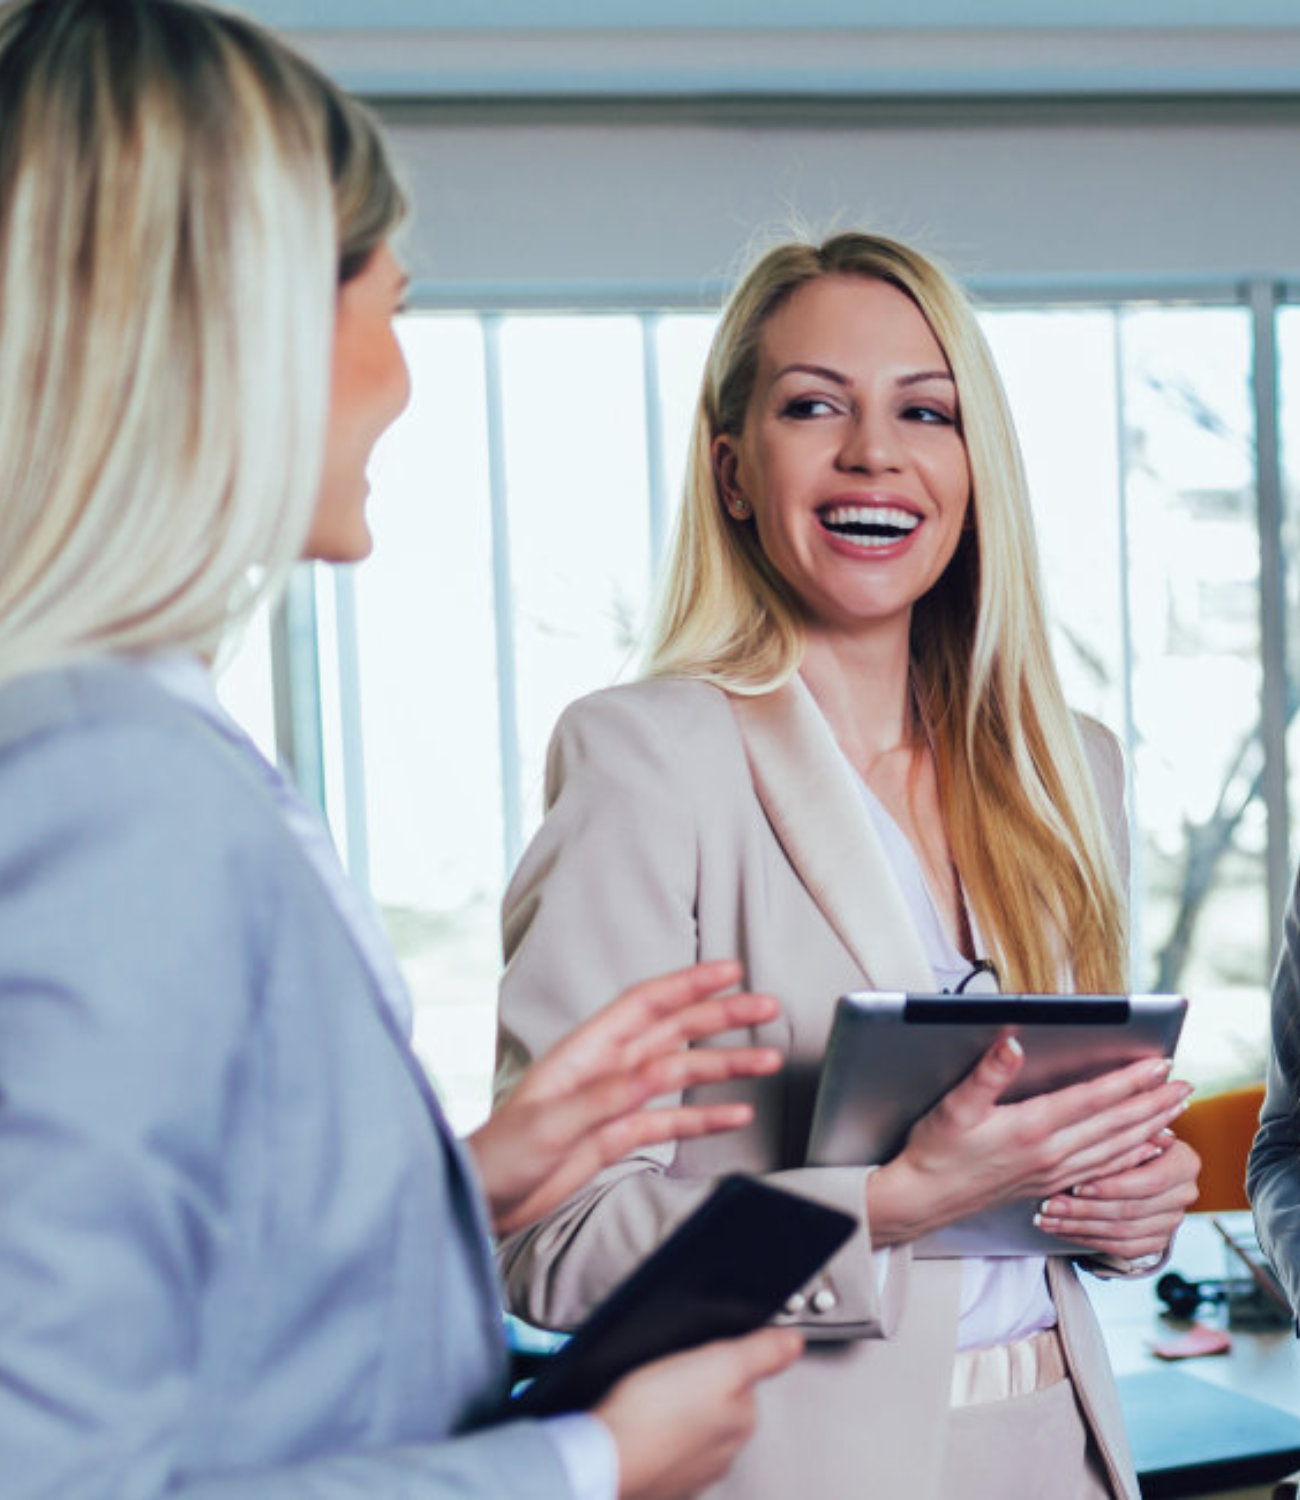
(516, 209)
(583, 150)
(558, 15)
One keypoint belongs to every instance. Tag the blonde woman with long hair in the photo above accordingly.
(241, 1253)
(851, 766)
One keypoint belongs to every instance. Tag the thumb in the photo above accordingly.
(993, 1075)
(767, 1352)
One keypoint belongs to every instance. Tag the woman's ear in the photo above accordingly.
(726, 467)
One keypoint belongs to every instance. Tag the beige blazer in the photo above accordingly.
(685, 824)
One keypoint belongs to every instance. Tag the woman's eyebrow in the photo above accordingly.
(921, 376)
(824, 372)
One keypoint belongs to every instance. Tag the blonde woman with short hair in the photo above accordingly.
(241, 1254)
(851, 765)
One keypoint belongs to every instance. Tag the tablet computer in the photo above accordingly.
(723, 1272)
(891, 1057)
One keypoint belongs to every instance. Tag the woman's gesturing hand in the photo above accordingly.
(580, 1107)
(971, 1152)
(680, 1421)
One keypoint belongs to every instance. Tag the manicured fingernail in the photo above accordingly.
(1011, 1048)
(1163, 1068)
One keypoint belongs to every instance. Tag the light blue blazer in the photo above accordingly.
(240, 1252)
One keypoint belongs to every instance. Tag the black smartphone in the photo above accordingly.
(723, 1272)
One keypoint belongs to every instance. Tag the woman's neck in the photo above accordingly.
(862, 688)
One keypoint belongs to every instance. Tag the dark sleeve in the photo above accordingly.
(1273, 1176)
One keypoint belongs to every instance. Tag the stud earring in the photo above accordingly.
(739, 508)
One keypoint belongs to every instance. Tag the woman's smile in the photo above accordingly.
(870, 526)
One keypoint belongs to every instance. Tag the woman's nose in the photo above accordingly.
(870, 445)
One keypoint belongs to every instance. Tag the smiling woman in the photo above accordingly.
(851, 458)
(852, 767)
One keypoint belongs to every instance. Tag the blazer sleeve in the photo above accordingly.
(1273, 1174)
(126, 1004)
(607, 895)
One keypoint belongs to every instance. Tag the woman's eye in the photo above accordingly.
(802, 408)
(929, 414)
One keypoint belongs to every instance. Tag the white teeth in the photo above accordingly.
(870, 525)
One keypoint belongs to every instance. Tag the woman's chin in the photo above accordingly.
(352, 544)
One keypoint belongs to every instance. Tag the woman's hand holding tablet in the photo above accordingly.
(971, 1152)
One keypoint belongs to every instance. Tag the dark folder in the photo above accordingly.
(724, 1271)
(1191, 1437)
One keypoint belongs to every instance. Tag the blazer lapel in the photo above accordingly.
(815, 808)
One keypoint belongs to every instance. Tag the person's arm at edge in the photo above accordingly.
(1273, 1173)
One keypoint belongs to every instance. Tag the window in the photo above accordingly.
(519, 507)
(1139, 440)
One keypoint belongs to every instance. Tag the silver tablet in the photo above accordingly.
(891, 1057)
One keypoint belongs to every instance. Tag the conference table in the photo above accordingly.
(1225, 1425)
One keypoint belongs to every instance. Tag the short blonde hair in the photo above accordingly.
(1022, 815)
(179, 196)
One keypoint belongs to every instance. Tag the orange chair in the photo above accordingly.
(1220, 1128)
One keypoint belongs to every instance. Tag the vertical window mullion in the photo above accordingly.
(654, 438)
(351, 728)
(1137, 884)
(295, 682)
(1264, 299)
(502, 595)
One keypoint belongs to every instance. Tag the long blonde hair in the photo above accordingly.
(179, 197)
(1018, 800)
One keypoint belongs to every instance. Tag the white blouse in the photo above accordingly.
(1005, 1297)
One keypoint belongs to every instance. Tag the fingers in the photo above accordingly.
(977, 1094)
(1138, 1156)
(679, 1421)
(1113, 1089)
(618, 1099)
(701, 1065)
(759, 1356)
(624, 1023)
(567, 1151)
(1129, 1240)
(651, 1020)
(653, 1000)
(654, 1126)
(1098, 1145)
(1092, 1125)
(1095, 1215)
(1132, 1212)
(739, 1363)
(702, 1019)
(1169, 1164)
